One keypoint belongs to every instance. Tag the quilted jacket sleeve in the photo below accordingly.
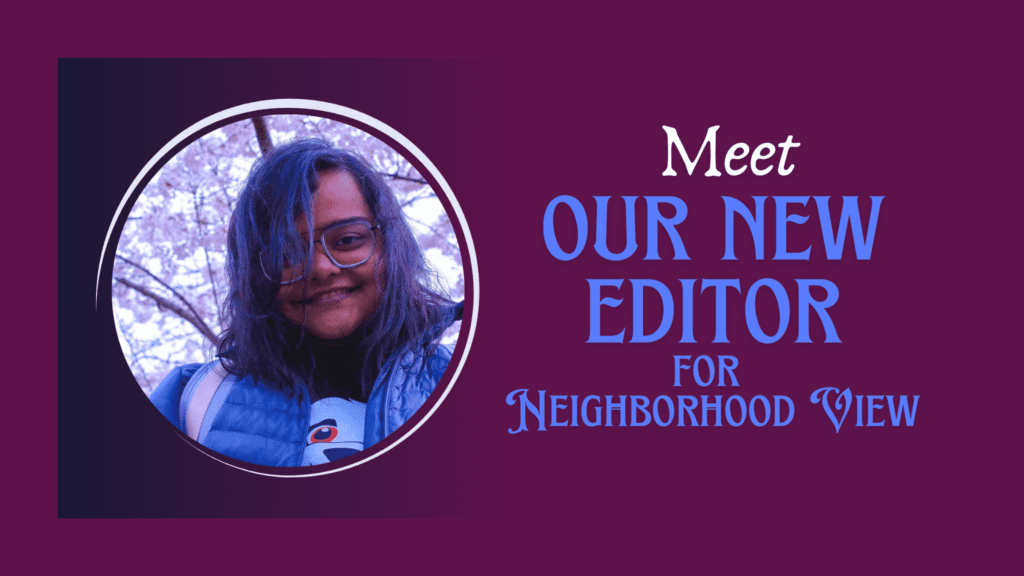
(402, 388)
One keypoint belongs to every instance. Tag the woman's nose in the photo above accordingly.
(322, 265)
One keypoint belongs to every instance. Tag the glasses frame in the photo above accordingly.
(323, 244)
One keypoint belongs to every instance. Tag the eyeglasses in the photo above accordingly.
(346, 244)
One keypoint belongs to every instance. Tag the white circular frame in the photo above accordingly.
(317, 106)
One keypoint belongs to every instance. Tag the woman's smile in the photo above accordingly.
(328, 297)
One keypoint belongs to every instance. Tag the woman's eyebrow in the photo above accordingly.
(336, 223)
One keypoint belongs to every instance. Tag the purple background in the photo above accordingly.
(913, 107)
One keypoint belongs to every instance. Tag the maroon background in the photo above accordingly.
(912, 106)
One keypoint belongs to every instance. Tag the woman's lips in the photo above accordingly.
(330, 297)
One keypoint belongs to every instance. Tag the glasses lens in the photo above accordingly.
(350, 244)
(289, 273)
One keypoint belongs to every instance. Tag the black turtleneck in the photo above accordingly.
(339, 364)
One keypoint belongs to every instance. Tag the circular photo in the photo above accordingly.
(288, 290)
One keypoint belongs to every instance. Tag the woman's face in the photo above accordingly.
(334, 302)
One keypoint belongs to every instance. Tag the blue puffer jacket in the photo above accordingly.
(260, 425)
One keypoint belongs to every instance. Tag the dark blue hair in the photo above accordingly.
(259, 340)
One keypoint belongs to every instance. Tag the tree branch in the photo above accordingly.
(414, 199)
(195, 313)
(206, 252)
(262, 135)
(194, 320)
(406, 178)
(433, 231)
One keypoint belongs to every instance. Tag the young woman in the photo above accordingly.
(330, 306)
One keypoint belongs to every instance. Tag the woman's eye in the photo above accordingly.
(347, 242)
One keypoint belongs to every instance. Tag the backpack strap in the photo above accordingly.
(199, 394)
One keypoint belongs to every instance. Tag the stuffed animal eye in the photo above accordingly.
(322, 434)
